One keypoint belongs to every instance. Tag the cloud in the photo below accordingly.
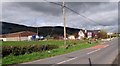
(47, 14)
(60, 0)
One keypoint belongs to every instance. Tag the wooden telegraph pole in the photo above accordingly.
(37, 30)
(64, 18)
(36, 25)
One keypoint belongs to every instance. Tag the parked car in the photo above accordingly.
(41, 37)
(35, 37)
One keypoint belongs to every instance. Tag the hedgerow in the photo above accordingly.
(20, 50)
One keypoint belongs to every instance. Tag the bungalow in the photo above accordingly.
(18, 36)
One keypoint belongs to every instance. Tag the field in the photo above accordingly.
(74, 45)
(50, 42)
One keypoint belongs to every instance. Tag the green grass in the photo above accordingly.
(39, 55)
(50, 42)
(17, 43)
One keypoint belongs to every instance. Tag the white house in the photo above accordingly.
(81, 34)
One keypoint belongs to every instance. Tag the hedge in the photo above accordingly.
(20, 50)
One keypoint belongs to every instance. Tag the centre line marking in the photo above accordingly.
(67, 60)
(106, 46)
(93, 51)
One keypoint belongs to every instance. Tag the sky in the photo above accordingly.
(47, 14)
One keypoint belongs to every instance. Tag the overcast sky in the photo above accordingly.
(47, 14)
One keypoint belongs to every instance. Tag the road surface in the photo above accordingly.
(105, 53)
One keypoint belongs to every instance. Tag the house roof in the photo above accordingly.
(18, 34)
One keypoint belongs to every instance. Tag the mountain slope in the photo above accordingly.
(46, 30)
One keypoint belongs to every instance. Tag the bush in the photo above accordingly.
(20, 50)
(50, 47)
(102, 34)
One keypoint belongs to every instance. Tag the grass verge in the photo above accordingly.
(40, 55)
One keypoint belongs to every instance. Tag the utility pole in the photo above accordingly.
(37, 28)
(64, 18)
(36, 25)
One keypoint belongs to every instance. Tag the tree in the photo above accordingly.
(102, 34)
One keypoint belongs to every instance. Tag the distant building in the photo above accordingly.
(18, 36)
(87, 34)
(81, 34)
(93, 33)
(71, 37)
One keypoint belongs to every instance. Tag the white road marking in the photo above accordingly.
(67, 60)
(106, 46)
(97, 50)
(93, 51)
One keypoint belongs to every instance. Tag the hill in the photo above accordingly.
(45, 30)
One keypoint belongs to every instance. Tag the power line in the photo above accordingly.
(64, 18)
(84, 16)
(76, 13)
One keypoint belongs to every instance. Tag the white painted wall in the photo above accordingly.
(71, 37)
(4, 39)
(15, 39)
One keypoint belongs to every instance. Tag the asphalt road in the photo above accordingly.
(105, 53)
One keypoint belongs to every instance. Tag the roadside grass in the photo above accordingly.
(50, 42)
(1, 61)
(20, 43)
(40, 55)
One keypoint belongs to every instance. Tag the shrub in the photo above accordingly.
(20, 50)
(50, 47)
